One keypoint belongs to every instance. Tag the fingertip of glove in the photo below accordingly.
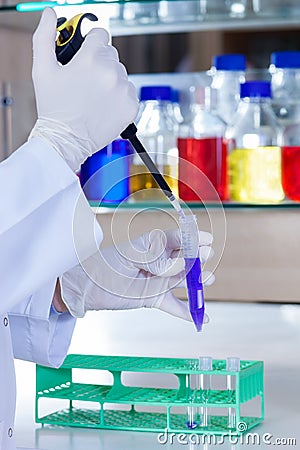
(206, 253)
(205, 238)
(206, 319)
(208, 278)
(173, 267)
(97, 36)
(43, 39)
(48, 22)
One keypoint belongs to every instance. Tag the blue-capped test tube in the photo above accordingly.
(190, 245)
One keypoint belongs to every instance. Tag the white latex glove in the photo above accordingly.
(134, 275)
(85, 104)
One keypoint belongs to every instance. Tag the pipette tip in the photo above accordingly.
(175, 203)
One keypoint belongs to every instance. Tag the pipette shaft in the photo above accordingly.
(130, 134)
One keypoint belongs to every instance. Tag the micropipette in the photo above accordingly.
(68, 43)
(190, 244)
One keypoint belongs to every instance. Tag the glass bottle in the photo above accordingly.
(172, 11)
(140, 12)
(226, 8)
(202, 151)
(291, 161)
(175, 111)
(253, 144)
(157, 131)
(285, 83)
(105, 175)
(228, 72)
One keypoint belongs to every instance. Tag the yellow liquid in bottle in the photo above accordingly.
(255, 175)
(144, 187)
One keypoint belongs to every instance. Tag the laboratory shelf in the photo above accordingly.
(99, 207)
(58, 384)
(208, 24)
(285, 16)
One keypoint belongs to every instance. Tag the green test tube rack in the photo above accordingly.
(57, 384)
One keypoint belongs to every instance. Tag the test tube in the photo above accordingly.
(205, 365)
(190, 247)
(232, 365)
(191, 381)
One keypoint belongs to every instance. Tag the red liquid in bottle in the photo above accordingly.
(290, 172)
(202, 169)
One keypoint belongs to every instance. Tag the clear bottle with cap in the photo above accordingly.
(253, 144)
(290, 155)
(158, 132)
(175, 110)
(228, 72)
(218, 8)
(143, 12)
(285, 83)
(202, 151)
(276, 8)
(186, 11)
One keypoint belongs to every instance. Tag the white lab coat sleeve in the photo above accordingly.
(7, 387)
(39, 334)
(46, 225)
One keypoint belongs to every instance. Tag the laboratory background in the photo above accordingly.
(219, 89)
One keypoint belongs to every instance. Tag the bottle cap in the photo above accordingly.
(256, 89)
(205, 363)
(175, 95)
(233, 62)
(233, 364)
(286, 60)
(156, 93)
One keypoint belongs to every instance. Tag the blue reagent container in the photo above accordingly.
(105, 175)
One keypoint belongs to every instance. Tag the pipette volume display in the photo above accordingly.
(190, 244)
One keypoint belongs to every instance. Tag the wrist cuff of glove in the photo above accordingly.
(72, 148)
(73, 299)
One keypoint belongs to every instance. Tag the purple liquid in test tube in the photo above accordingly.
(195, 290)
(190, 243)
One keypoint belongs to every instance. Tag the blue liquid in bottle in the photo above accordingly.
(105, 175)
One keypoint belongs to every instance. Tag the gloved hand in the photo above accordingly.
(85, 104)
(134, 275)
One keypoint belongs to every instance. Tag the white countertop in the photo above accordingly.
(251, 331)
